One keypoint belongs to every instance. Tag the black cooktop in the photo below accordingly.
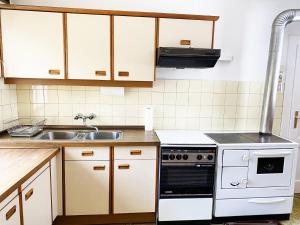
(237, 138)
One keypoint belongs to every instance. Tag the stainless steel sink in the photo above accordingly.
(102, 135)
(57, 135)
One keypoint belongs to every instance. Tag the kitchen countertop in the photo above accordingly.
(17, 165)
(130, 137)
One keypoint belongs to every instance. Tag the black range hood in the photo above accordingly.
(187, 57)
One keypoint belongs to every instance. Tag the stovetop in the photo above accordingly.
(183, 137)
(237, 138)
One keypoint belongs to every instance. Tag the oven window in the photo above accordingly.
(270, 165)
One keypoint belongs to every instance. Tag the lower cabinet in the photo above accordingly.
(134, 186)
(87, 187)
(36, 200)
(10, 214)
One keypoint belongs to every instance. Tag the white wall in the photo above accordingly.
(243, 30)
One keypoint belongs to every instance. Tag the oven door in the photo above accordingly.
(186, 180)
(270, 168)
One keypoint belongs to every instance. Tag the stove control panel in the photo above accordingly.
(188, 155)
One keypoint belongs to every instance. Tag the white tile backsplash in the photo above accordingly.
(177, 104)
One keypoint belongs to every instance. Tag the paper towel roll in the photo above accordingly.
(148, 118)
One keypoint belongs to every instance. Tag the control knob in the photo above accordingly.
(172, 157)
(210, 157)
(178, 157)
(185, 157)
(199, 157)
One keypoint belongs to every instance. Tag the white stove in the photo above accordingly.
(190, 155)
(183, 137)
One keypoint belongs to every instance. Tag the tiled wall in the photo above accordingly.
(8, 104)
(177, 104)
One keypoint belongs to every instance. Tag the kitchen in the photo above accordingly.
(67, 87)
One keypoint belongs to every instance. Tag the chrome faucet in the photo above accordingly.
(91, 116)
(93, 127)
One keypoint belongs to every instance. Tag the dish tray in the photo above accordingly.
(24, 127)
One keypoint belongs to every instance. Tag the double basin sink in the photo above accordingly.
(73, 135)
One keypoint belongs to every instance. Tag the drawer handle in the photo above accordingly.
(54, 72)
(262, 154)
(135, 152)
(267, 201)
(11, 212)
(123, 74)
(99, 167)
(124, 167)
(100, 73)
(185, 42)
(87, 153)
(28, 194)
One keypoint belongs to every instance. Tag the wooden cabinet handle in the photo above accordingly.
(54, 72)
(135, 152)
(100, 73)
(87, 153)
(99, 167)
(11, 212)
(124, 167)
(123, 74)
(28, 194)
(185, 42)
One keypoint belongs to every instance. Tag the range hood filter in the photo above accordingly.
(187, 57)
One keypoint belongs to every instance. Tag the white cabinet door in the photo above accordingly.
(134, 186)
(234, 177)
(189, 33)
(87, 187)
(32, 44)
(88, 47)
(36, 198)
(10, 214)
(134, 48)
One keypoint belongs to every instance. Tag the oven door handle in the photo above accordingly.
(204, 165)
(272, 154)
(278, 200)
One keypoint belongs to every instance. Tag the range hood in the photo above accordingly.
(187, 57)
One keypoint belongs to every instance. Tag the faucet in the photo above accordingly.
(93, 127)
(91, 116)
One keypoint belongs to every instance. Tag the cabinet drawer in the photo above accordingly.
(235, 157)
(10, 214)
(135, 152)
(87, 153)
(8, 199)
(234, 177)
(253, 206)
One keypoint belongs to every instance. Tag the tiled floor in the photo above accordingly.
(295, 217)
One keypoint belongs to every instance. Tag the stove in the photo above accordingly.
(186, 177)
(245, 138)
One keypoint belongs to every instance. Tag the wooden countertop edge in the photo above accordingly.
(37, 144)
(28, 175)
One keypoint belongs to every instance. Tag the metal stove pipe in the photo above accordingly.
(273, 70)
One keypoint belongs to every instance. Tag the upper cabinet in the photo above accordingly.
(186, 33)
(33, 44)
(134, 48)
(88, 47)
(60, 46)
